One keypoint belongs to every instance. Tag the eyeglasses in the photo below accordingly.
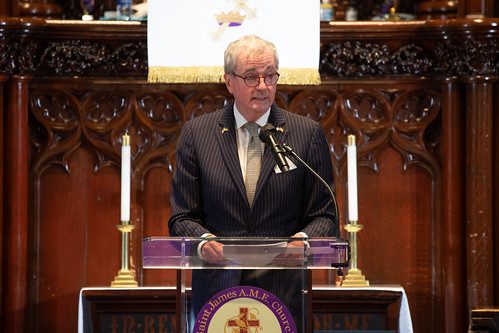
(254, 80)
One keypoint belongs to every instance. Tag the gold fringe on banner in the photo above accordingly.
(299, 76)
(214, 74)
(194, 74)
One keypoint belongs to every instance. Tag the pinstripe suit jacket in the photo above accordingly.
(208, 192)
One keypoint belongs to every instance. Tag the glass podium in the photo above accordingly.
(260, 285)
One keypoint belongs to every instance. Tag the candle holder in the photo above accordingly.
(125, 277)
(354, 277)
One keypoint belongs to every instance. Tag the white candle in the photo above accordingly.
(352, 179)
(126, 158)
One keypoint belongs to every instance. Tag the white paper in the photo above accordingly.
(259, 254)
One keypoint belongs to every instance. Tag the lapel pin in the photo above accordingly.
(279, 129)
(224, 129)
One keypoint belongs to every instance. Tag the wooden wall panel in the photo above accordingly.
(76, 238)
(77, 200)
(156, 211)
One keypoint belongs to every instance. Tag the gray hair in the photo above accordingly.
(250, 45)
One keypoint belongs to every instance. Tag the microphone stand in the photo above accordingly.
(289, 151)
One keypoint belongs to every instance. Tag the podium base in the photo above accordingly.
(124, 279)
(354, 278)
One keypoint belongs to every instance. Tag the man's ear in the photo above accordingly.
(228, 81)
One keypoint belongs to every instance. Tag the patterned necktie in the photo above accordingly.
(253, 161)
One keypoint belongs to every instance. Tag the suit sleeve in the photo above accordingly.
(321, 218)
(186, 199)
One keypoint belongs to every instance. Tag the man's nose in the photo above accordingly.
(261, 82)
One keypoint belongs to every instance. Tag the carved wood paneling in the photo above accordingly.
(75, 160)
(362, 54)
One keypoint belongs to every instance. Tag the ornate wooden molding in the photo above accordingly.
(364, 59)
(450, 57)
(78, 57)
(96, 116)
(64, 48)
(467, 57)
(72, 57)
(459, 48)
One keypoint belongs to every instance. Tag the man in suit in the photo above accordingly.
(211, 195)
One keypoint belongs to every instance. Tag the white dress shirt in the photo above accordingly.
(243, 136)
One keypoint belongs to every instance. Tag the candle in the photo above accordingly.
(125, 178)
(352, 178)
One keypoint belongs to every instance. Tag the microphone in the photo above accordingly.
(276, 149)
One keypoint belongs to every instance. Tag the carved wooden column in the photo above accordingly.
(3, 78)
(39, 8)
(16, 207)
(453, 215)
(435, 9)
(479, 180)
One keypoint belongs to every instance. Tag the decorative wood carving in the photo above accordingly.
(361, 59)
(65, 120)
(450, 56)
(467, 57)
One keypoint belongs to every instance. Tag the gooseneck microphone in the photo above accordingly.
(266, 135)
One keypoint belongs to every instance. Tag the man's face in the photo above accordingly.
(252, 102)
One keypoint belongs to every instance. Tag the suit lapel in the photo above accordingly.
(226, 138)
(278, 119)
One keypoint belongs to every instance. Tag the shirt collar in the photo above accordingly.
(240, 120)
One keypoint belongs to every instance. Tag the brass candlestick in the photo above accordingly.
(125, 277)
(354, 278)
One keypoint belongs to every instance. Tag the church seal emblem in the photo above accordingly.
(244, 309)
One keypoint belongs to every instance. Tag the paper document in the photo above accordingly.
(251, 254)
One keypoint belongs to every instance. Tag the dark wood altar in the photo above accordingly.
(420, 96)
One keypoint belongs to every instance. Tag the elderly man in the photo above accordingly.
(226, 183)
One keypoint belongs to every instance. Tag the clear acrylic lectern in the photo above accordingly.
(261, 285)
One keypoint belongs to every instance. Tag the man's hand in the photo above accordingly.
(294, 254)
(212, 252)
(298, 243)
